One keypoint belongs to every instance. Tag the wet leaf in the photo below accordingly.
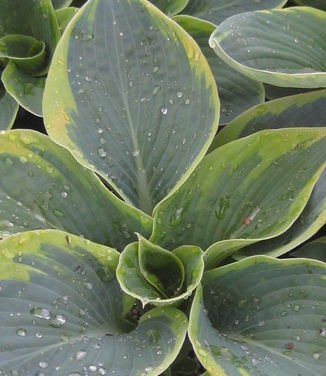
(261, 316)
(45, 187)
(141, 88)
(60, 312)
(288, 51)
(170, 7)
(237, 92)
(240, 193)
(217, 11)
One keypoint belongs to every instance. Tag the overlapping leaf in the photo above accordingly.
(289, 49)
(8, 109)
(261, 316)
(248, 190)
(157, 276)
(62, 310)
(170, 7)
(44, 187)
(64, 16)
(152, 106)
(237, 92)
(313, 250)
(217, 11)
(58, 4)
(320, 4)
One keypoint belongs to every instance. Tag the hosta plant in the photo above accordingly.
(139, 241)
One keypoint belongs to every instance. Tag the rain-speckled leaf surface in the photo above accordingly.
(64, 16)
(44, 187)
(26, 89)
(237, 92)
(320, 4)
(149, 80)
(134, 282)
(27, 52)
(8, 109)
(170, 7)
(248, 190)
(289, 49)
(34, 18)
(313, 250)
(57, 4)
(62, 311)
(302, 110)
(261, 316)
(217, 11)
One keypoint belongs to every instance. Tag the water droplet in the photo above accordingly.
(101, 152)
(295, 40)
(316, 355)
(43, 365)
(164, 110)
(179, 94)
(42, 313)
(58, 321)
(322, 332)
(21, 332)
(80, 355)
(156, 89)
(64, 194)
(187, 101)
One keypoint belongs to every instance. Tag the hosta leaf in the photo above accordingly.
(27, 52)
(141, 88)
(57, 4)
(312, 3)
(170, 7)
(296, 111)
(302, 110)
(275, 92)
(240, 193)
(261, 316)
(33, 18)
(64, 16)
(161, 268)
(26, 89)
(133, 280)
(62, 310)
(237, 92)
(313, 250)
(8, 109)
(289, 49)
(46, 188)
(217, 11)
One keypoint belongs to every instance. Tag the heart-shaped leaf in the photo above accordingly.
(62, 311)
(46, 188)
(33, 18)
(302, 110)
(133, 277)
(161, 268)
(8, 109)
(261, 316)
(143, 78)
(57, 4)
(170, 7)
(26, 89)
(217, 11)
(312, 3)
(308, 110)
(248, 190)
(289, 49)
(27, 52)
(237, 92)
(313, 250)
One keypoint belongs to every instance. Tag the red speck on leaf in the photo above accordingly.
(289, 346)
(246, 220)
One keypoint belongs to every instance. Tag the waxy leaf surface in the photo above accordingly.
(237, 92)
(132, 96)
(170, 7)
(282, 47)
(261, 316)
(44, 187)
(62, 310)
(217, 11)
(248, 190)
